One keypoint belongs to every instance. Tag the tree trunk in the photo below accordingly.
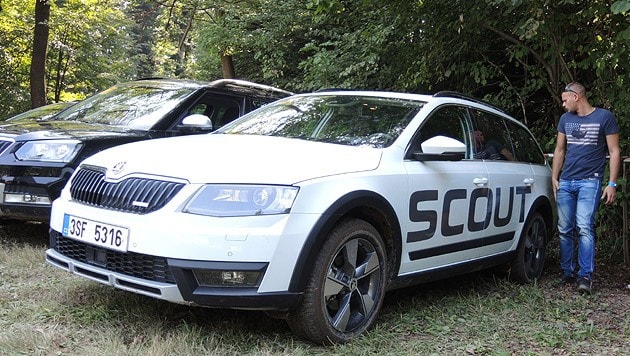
(40, 47)
(227, 67)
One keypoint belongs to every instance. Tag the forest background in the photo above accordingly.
(516, 54)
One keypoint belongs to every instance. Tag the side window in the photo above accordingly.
(525, 147)
(491, 138)
(219, 110)
(256, 103)
(225, 114)
(449, 121)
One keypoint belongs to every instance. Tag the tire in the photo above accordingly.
(346, 287)
(528, 264)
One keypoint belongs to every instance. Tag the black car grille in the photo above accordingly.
(4, 144)
(134, 195)
(137, 265)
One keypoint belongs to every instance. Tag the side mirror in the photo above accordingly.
(441, 148)
(196, 122)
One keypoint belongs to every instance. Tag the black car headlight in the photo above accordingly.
(48, 150)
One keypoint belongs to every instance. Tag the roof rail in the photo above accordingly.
(332, 89)
(247, 84)
(458, 95)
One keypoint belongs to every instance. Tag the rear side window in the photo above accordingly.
(492, 141)
(525, 146)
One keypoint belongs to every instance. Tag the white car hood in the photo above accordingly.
(220, 158)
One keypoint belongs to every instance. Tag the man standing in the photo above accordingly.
(585, 135)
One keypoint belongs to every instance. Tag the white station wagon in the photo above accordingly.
(312, 207)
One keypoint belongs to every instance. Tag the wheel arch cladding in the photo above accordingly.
(365, 205)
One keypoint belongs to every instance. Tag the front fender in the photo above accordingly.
(366, 205)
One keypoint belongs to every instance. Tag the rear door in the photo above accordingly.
(510, 181)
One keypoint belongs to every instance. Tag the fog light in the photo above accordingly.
(26, 198)
(217, 278)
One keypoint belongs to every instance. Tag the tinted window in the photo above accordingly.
(219, 110)
(525, 147)
(492, 140)
(260, 102)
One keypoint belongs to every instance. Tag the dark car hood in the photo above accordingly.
(37, 130)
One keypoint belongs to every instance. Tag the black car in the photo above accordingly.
(37, 156)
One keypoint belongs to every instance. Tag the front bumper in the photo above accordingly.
(28, 198)
(24, 203)
(163, 278)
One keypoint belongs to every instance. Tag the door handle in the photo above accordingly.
(480, 182)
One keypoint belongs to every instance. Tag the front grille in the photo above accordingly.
(24, 189)
(4, 144)
(134, 195)
(132, 264)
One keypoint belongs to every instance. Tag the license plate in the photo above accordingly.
(96, 233)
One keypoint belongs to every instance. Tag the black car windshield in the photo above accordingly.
(343, 119)
(135, 105)
(42, 112)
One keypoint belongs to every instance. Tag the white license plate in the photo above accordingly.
(96, 233)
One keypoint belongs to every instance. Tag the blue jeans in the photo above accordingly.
(577, 204)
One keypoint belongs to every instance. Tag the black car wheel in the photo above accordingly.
(346, 288)
(528, 264)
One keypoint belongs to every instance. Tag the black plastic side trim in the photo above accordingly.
(451, 271)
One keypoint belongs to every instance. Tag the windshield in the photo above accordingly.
(343, 119)
(42, 112)
(136, 105)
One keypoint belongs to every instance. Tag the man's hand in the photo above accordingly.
(555, 185)
(609, 194)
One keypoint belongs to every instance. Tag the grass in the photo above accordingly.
(46, 311)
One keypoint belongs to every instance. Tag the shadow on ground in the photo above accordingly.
(21, 233)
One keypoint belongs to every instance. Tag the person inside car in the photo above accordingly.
(490, 149)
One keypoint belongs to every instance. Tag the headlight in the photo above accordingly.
(48, 150)
(242, 200)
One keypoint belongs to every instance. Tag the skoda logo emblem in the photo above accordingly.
(118, 167)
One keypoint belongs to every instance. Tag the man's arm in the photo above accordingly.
(558, 161)
(507, 154)
(609, 194)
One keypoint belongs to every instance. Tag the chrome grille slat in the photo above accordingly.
(4, 144)
(89, 187)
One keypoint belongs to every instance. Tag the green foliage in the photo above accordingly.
(515, 54)
(86, 50)
(620, 7)
(15, 49)
(87, 47)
